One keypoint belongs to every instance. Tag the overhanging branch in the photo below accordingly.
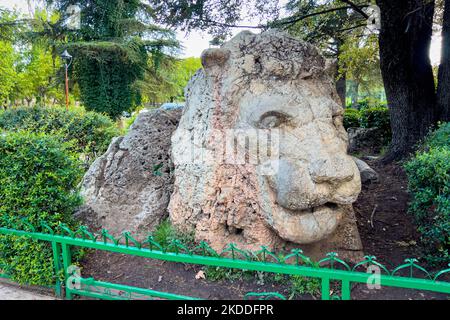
(291, 20)
(356, 8)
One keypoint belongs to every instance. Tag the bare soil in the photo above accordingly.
(387, 232)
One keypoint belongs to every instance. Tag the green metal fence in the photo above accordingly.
(329, 269)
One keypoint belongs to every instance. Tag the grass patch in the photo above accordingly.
(165, 233)
(304, 285)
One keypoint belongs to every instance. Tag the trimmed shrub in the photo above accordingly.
(38, 179)
(369, 117)
(89, 132)
(352, 118)
(429, 184)
(369, 102)
(377, 117)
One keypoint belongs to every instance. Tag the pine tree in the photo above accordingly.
(111, 50)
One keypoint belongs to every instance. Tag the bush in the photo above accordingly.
(377, 117)
(90, 132)
(429, 184)
(438, 138)
(369, 102)
(165, 233)
(369, 117)
(38, 176)
(304, 285)
(352, 118)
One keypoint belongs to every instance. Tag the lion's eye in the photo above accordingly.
(272, 120)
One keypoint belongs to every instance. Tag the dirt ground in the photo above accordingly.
(386, 230)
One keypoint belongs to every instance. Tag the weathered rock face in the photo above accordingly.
(260, 153)
(129, 187)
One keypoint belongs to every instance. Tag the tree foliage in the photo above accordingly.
(359, 62)
(216, 16)
(29, 62)
(111, 51)
(120, 57)
(7, 71)
(36, 78)
(166, 82)
(107, 73)
(327, 24)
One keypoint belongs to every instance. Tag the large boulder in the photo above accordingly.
(261, 153)
(129, 187)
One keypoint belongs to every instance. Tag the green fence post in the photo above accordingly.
(57, 266)
(67, 261)
(345, 290)
(325, 288)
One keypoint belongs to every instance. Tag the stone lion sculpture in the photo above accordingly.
(260, 154)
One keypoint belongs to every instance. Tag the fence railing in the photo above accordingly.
(329, 269)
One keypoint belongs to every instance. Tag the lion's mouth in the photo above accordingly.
(332, 205)
(307, 225)
(314, 209)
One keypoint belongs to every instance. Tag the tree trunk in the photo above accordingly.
(405, 37)
(341, 79)
(443, 90)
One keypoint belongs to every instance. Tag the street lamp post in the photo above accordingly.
(67, 62)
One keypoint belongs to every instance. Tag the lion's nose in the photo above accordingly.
(332, 169)
(300, 186)
(293, 186)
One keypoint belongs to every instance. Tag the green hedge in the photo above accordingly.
(370, 102)
(352, 118)
(376, 117)
(90, 132)
(429, 184)
(370, 117)
(38, 179)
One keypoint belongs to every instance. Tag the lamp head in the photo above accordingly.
(66, 56)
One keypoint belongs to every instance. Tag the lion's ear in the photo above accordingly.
(214, 59)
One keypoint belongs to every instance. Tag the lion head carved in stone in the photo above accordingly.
(261, 152)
